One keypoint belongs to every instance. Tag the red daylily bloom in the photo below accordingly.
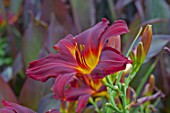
(84, 54)
(83, 87)
(114, 42)
(10, 107)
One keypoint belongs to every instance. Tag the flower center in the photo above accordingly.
(86, 59)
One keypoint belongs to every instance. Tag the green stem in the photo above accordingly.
(94, 104)
(112, 87)
(141, 109)
(133, 73)
(109, 90)
(124, 103)
(119, 77)
(135, 70)
(157, 102)
(109, 85)
(111, 94)
(108, 79)
(127, 54)
(133, 43)
(112, 9)
(131, 76)
(113, 108)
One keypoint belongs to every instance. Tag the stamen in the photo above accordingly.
(81, 47)
(85, 66)
(80, 56)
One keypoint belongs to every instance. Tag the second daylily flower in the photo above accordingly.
(10, 107)
(83, 55)
(83, 87)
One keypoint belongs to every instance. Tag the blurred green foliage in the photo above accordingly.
(4, 59)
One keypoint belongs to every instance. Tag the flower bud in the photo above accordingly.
(147, 38)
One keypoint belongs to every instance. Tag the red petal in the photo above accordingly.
(82, 102)
(111, 61)
(6, 110)
(52, 66)
(10, 107)
(117, 28)
(67, 44)
(60, 83)
(72, 94)
(114, 42)
(90, 37)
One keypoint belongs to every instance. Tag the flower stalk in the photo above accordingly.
(94, 104)
(138, 59)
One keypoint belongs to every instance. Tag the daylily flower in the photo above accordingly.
(10, 107)
(114, 42)
(83, 55)
(83, 87)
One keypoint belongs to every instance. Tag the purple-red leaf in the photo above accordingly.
(32, 42)
(32, 91)
(5, 92)
(58, 8)
(84, 15)
(47, 103)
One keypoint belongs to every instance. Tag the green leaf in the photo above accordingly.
(2, 52)
(1, 61)
(8, 61)
(15, 5)
(157, 9)
(83, 14)
(32, 42)
(157, 44)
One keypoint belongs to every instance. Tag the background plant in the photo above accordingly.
(37, 27)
